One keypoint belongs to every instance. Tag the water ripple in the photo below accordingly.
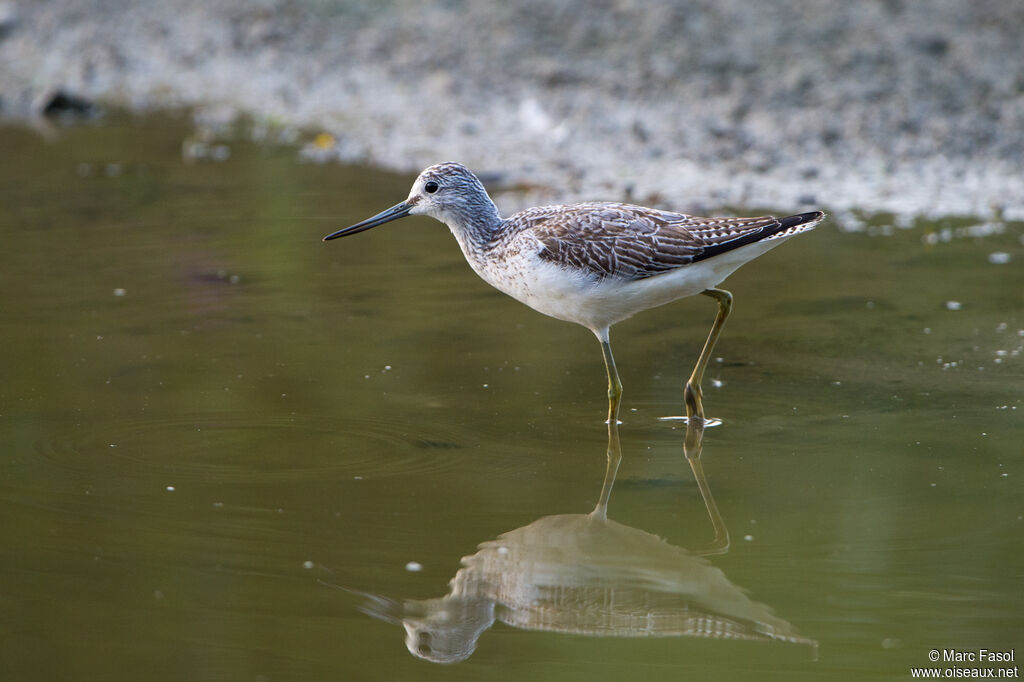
(232, 446)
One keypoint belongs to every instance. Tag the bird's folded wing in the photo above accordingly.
(632, 242)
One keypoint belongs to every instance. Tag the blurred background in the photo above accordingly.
(230, 451)
(899, 106)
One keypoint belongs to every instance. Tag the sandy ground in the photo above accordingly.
(914, 107)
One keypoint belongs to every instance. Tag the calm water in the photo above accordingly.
(210, 422)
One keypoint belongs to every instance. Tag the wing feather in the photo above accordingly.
(633, 242)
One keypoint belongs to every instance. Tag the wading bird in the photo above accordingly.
(595, 263)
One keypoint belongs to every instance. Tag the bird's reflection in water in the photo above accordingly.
(588, 575)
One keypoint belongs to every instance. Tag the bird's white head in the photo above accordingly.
(448, 192)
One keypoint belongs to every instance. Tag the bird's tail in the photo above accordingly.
(773, 228)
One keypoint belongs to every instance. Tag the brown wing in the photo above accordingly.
(633, 242)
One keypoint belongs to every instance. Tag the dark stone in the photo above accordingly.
(934, 45)
(61, 102)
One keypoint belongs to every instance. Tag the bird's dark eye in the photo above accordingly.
(431, 187)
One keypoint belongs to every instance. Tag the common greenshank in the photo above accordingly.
(594, 263)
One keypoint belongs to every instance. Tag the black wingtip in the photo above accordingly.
(779, 226)
(799, 219)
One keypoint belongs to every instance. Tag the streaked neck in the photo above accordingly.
(475, 228)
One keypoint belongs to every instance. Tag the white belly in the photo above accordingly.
(599, 303)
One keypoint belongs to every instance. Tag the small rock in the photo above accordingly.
(59, 102)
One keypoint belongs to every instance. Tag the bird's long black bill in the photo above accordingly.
(394, 213)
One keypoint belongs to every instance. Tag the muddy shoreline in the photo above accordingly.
(910, 108)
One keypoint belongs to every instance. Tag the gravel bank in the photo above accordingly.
(903, 106)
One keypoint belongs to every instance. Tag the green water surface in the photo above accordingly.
(210, 421)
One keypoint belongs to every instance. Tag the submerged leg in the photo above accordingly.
(692, 393)
(614, 385)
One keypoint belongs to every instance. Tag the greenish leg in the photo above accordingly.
(692, 393)
(614, 385)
